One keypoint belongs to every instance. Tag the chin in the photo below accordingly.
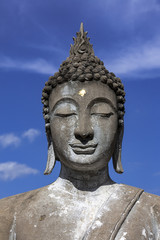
(85, 162)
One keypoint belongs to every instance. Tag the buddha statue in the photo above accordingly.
(83, 112)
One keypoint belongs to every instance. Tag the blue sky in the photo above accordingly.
(35, 37)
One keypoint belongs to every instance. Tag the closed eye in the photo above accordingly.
(106, 115)
(64, 114)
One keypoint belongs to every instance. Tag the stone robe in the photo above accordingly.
(61, 212)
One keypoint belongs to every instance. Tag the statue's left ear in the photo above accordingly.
(51, 157)
(116, 157)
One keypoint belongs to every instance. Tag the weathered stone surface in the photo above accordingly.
(61, 212)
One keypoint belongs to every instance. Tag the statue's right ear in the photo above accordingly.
(51, 157)
(116, 157)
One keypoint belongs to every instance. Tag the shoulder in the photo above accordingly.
(146, 202)
(151, 202)
(151, 198)
(144, 195)
(143, 214)
(10, 206)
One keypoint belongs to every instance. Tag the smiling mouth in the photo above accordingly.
(83, 149)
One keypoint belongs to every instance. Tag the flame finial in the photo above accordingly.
(81, 43)
(81, 29)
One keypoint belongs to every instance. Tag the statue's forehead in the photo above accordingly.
(76, 89)
(82, 92)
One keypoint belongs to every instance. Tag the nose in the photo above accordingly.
(84, 131)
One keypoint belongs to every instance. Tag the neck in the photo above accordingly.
(86, 181)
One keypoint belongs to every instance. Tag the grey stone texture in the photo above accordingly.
(61, 211)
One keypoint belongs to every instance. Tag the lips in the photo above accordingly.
(83, 149)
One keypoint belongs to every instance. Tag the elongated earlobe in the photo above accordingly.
(51, 159)
(117, 151)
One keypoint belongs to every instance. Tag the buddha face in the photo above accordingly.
(83, 122)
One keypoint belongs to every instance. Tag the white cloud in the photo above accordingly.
(10, 139)
(38, 65)
(31, 134)
(13, 170)
(137, 58)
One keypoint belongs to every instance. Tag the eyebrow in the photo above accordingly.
(64, 100)
(102, 99)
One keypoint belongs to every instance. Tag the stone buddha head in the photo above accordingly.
(83, 111)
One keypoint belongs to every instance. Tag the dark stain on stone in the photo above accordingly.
(42, 217)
